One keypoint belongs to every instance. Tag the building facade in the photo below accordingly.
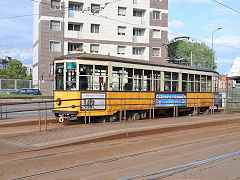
(134, 29)
(4, 62)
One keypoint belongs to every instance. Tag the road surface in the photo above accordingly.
(127, 157)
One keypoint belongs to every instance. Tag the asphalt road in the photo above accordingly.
(24, 107)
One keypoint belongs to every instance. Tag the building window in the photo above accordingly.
(156, 33)
(138, 32)
(156, 15)
(95, 28)
(94, 48)
(138, 51)
(121, 30)
(122, 11)
(138, 13)
(95, 8)
(55, 4)
(55, 46)
(74, 27)
(121, 50)
(156, 52)
(55, 25)
(75, 47)
(75, 6)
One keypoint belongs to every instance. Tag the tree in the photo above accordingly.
(15, 70)
(201, 53)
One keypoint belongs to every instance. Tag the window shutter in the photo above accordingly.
(156, 33)
(156, 52)
(121, 49)
(94, 48)
(122, 11)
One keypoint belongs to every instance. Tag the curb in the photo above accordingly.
(130, 133)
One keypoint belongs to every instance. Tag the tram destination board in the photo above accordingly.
(169, 100)
(95, 101)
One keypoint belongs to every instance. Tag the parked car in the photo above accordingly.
(29, 91)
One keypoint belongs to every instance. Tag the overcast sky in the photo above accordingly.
(194, 18)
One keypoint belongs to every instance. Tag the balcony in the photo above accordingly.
(70, 13)
(135, 1)
(74, 52)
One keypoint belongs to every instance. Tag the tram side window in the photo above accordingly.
(216, 84)
(147, 80)
(127, 79)
(138, 79)
(174, 82)
(184, 82)
(157, 80)
(191, 82)
(59, 75)
(209, 84)
(197, 83)
(117, 79)
(167, 81)
(71, 76)
(101, 78)
(85, 77)
(203, 83)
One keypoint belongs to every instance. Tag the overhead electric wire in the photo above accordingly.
(28, 15)
(226, 6)
(124, 22)
(168, 32)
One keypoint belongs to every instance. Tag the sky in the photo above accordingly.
(194, 18)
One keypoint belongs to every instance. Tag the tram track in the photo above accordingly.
(105, 145)
(182, 168)
(125, 157)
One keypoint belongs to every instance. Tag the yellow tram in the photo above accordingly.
(103, 86)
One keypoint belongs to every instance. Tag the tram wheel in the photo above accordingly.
(136, 116)
(61, 119)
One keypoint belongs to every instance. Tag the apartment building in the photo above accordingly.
(4, 62)
(126, 28)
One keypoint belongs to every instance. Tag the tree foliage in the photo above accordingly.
(201, 53)
(15, 70)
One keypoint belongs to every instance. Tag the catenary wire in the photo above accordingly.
(105, 17)
(226, 6)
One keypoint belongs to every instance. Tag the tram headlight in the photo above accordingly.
(58, 101)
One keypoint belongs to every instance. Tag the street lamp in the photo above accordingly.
(212, 46)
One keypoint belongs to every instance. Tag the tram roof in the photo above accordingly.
(100, 57)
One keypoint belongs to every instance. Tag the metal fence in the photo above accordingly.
(8, 85)
(42, 107)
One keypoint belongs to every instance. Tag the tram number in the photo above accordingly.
(93, 101)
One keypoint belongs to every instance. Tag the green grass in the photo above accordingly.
(24, 96)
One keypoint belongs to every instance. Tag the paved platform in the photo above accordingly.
(81, 133)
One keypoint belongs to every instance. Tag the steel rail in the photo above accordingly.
(197, 164)
(105, 145)
(184, 167)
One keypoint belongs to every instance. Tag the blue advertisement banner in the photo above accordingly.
(167, 100)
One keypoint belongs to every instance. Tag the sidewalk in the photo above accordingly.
(99, 132)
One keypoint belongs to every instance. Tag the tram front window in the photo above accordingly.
(59, 76)
(71, 76)
(85, 77)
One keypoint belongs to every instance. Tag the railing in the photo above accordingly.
(124, 106)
